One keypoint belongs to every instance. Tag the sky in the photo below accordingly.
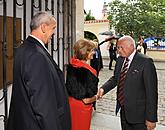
(95, 6)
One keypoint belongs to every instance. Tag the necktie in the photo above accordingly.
(120, 96)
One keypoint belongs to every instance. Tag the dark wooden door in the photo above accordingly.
(9, 48)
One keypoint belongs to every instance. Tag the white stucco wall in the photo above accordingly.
(79, 19)
(97, 28)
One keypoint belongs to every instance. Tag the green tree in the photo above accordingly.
(89, 16)
(138, 17)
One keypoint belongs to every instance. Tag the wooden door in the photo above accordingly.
(9, 48)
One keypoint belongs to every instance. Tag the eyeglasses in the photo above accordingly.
(119, 47)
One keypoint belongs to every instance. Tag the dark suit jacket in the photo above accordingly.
(96, 61)
(39, 98)
(140, 88)
(112, 52)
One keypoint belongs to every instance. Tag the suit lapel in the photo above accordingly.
(44, 51)
(119, 68)
(121, 61)
(133, 64)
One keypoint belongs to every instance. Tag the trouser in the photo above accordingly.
(129, 126)
(110, 63)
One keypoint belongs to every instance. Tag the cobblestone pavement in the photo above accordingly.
(99, 128)
(106, 106)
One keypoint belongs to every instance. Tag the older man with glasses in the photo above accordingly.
(136, 80)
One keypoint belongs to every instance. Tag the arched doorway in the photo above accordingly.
(90, 35)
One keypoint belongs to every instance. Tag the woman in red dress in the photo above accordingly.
(81, 84)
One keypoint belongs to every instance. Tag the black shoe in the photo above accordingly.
(110, 69)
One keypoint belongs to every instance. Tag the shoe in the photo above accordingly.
(110, 69)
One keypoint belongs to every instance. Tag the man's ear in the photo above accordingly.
(43, 28)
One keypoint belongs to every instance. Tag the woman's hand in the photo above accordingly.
(90, 100)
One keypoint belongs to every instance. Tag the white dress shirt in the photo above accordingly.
(42, 43)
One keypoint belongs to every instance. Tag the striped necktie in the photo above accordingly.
(120, 95)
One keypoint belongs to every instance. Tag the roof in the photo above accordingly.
(96, 21)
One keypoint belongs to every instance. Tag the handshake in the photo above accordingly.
(98, 96)
(100, 93)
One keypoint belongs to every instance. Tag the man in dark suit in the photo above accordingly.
(39, 99)
(139, 98)
(112, 54)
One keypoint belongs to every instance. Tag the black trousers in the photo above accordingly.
(129, 126)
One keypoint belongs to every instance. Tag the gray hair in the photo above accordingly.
(40, 18)
(129, 40)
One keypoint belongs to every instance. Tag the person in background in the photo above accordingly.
(100, 57)
(141, 46)
(137, 87)
(95, 62)
(81, 83)
(112, 53)
(145, 47)
(39, 98)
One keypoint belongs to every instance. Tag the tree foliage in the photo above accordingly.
(89, 16)
(138, 17)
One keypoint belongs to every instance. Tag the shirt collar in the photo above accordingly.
(131, 56)
(42, 43)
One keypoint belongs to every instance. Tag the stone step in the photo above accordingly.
(107, 122)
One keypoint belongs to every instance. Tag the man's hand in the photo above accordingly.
(150, 125)
(100, 93)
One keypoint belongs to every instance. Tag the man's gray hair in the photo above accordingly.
(40, 18)
(129, 39)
